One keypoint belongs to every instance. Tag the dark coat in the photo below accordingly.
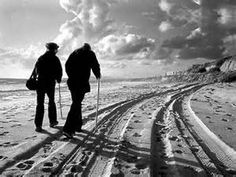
(48, 68)
(78, 68)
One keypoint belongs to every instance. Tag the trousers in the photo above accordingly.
(52, 113)
(74, 118)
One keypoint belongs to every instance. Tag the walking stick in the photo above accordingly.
(60, 100)
(97, 102)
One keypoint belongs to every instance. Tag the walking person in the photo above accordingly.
(78, 68)
(48, 70)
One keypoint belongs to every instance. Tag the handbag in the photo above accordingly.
(32, 82)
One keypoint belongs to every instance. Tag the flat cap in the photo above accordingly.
(51, 46)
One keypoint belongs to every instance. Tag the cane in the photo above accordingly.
(97, 101)
(60, 100)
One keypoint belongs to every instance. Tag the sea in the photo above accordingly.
(14, 93)
(16, 99)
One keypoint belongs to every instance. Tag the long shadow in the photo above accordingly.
(126, 152)
(113, 116)
(34, 149)
(31, 151)
(90, 141)
(132, 150)
(126, 105)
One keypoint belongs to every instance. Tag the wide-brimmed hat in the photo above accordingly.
(51, 46)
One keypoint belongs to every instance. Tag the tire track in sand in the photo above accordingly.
(183, 147)
(95, 151)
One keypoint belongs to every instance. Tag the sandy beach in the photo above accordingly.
(144, 129)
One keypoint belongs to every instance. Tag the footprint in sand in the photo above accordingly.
(2, 157)
(229, 128)
(47, 148)
(225, 120)
(194, 148)
(178, 151)
(102, 130)
(16, 125)
(48, 164)
(47, 167)
(76, 169)
(25, 165)
(31, 137)
(13, 121)
(229, 115)
(174, 138)
(180, 145)
(216, 110)
(137, 135)
(130, 128)
(3, 133)
(234, 105)
(8, 144)
(187, 137)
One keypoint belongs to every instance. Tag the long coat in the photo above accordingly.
(48, 69)
(78, 68)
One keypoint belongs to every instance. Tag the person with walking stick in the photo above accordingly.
(78, 68)
(48, 70)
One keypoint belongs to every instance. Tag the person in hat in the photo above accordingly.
(78, 68)
(48, 70)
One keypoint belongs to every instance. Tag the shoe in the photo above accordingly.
(38, 129)
(68, 135)
(54, 124)
(79, 130)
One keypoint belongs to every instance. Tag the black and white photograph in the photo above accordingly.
(117, 88)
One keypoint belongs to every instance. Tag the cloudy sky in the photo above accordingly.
(131, 38)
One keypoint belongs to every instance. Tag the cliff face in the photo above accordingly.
(222, 70)
(229, 65)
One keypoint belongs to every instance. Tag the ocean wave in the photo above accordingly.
(13, 90)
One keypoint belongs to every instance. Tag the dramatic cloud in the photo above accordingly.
(115, 65)
(165, 26)
(215, 20)
(180, 13)
(24, 57)
(165, 5)
(129, 46)
(91, 22)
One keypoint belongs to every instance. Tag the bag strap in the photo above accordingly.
(33, 74)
